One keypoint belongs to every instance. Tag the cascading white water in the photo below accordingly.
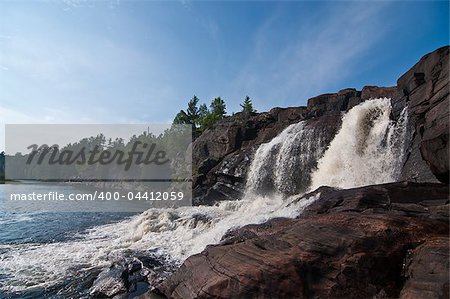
(177, 233)
(283, 164)
(368, 149)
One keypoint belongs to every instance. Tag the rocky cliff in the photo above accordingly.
(425, 90)
(222, 154)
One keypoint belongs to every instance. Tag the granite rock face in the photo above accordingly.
(425, 89)
(377, 241)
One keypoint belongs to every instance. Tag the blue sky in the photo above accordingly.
(141, 61)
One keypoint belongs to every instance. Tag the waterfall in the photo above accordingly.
(283, 165)
(368, 149)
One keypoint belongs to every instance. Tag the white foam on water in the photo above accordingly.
(368, 149)
(283, 163)
(178, 233)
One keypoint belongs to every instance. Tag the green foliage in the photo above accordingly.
(218, 108)
(181, 118)
(200, 117)
(209, 120)
(193, 111)
(174, 142)
(190, 116)
(203, 111)
(247, 106)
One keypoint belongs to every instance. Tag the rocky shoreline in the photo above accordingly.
(380, 241)
(377, 241)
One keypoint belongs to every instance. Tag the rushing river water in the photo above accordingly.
(58, 255)
(27, 230)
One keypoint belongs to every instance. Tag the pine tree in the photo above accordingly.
(203, 111)
(181, 118)
(192, 110)
(192, 116)
(247, 106)
(200, 117)
(189, 117)
(218, 108)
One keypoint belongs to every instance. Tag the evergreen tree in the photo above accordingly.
(247, 106)
(192, 116)
(193, 111)
(200, 117)
(181, 118)
(218, 108)
(203, 111)
(189, 117)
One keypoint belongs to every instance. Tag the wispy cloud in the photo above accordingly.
(143, 60)
(321, 53)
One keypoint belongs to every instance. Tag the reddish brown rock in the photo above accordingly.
(349, 244)
(434, 143)
(427, 270)
(222, 154)
(332, 102)
(425, 90)
(374, 92)
(229, 145)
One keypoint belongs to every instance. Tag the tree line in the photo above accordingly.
(201, 117)
(81, 159)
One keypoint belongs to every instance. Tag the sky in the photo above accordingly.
(141, 61)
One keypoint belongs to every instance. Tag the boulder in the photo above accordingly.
(346, 99)
(110, 282)
(434, 144)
